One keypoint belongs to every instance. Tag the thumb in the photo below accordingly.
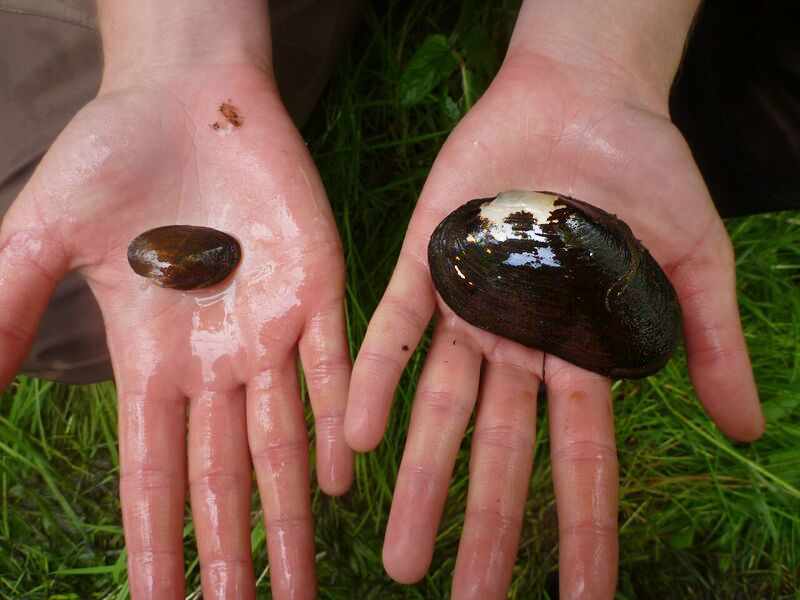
(718, 361)
(32, 262)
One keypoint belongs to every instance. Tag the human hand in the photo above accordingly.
(146, 153)
(559, 116)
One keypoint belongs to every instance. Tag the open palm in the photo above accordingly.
(542, 126)
(162, 153)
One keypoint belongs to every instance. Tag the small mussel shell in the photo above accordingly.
(184, 257)
(559, 275)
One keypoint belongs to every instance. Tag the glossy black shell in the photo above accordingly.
(579, 286)
(184, 257)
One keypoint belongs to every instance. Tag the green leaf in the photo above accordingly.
(432, 61)
(682, 540)
(479, 52)
(725, 562)
(781, 405)
(451, 109)
(469, 87)
(98, 570)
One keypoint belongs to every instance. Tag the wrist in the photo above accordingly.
(628, 47)
(146, 38)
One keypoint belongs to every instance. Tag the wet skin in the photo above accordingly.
(141, 157)
(542, 125)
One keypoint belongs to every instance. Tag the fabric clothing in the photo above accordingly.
(50, 66)
(737, 102)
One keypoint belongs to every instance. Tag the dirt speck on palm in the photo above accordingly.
(231, 114)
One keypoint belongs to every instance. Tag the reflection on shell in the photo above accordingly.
(184, 257)
(559, 275)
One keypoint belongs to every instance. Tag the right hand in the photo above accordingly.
(142, 155)
(544, 124)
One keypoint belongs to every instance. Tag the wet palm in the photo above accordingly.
(162, 153)
(542, 126)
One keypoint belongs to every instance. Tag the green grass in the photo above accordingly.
(700, 516)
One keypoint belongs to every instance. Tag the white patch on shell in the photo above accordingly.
(539, 257)
(157, 266)
(536, 204)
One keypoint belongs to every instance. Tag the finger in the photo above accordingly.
(718, 361)
(325, 354)
(499, 474)
(219, 488)
(276, 431)
(442, 408)
(394, 331)
(31, 264)
(585, 479)
(152, 444)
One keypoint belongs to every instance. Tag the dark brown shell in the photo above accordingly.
(577, 285)
(184, 257)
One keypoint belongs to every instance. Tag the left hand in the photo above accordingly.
(542, 125)
(144, 154)
(155, 149)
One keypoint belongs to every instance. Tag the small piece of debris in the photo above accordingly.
(231, 115)
(454, 342)
(215, 125)
(405, 348)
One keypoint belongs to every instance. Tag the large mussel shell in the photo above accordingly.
(559, 275)
(184, 257)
